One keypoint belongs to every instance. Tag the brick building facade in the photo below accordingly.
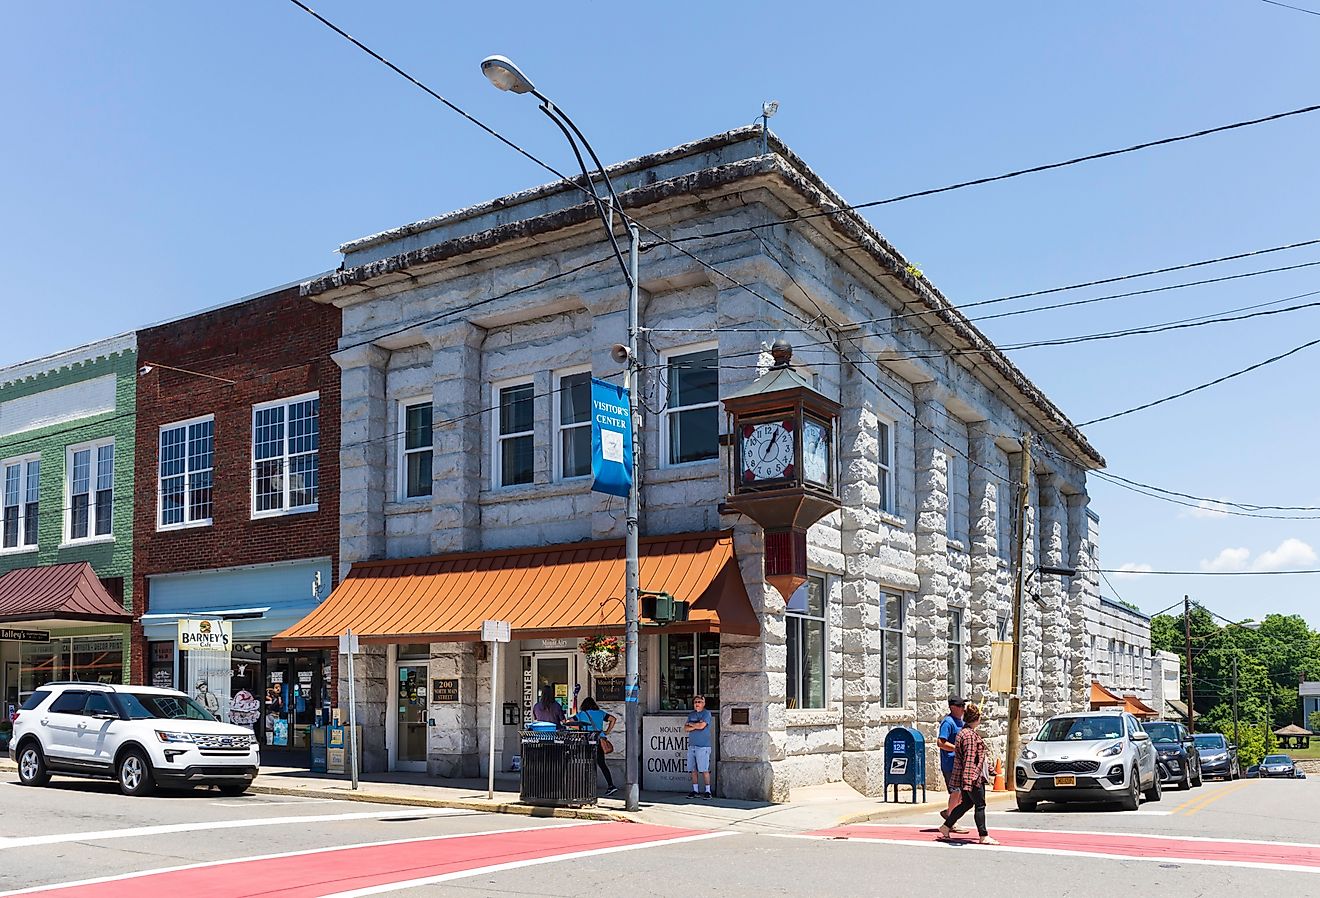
(237, 515)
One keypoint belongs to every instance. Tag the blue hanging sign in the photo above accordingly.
(611, 439)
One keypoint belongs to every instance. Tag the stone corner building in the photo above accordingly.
(468, 341)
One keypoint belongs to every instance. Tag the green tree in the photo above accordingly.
(1315, 722)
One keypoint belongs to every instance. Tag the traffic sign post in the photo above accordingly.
(494, 632)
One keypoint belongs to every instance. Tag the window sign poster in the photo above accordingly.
(281, 735)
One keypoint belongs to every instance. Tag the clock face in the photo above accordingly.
(767, 451)
(816, 452)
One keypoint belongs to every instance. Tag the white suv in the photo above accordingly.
(140, 736)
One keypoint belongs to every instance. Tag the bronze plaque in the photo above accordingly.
(444, 691)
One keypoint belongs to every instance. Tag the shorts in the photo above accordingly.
(948, 780)
(699, 758)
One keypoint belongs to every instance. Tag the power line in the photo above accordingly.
(1245, 506)
(1309, 12)
(1206, 385)
(1212, 573)
(1090, 157)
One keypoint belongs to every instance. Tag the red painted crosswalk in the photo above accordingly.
(379, 866)
(1273, 855)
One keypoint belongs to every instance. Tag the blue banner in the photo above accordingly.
(611, 439)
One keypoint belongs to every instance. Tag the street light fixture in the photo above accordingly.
(505, 75)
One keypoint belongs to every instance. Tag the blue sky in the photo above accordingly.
(160, 158)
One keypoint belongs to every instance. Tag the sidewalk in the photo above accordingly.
(810, 808)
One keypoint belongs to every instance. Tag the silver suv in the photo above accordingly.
(140, 736)
(1088, 756)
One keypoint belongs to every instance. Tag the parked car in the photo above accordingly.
(1219, 757)
(1278, 765)
(1088, 756)
(1177, 757)
(1252, 772)
(140, 736)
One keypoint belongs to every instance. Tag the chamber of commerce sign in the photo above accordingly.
(205, 635)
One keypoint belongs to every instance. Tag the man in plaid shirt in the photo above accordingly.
(969, 776)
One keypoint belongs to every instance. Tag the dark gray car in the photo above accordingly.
(1219, 756)
(1178, 758)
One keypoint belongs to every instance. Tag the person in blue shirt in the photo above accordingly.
(950, 726)
(591, 717)
(698, 733)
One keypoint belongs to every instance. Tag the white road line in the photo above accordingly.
(164, 829)
(258, 803)
(1069, 852)
(1165, 836)
(270, 857)
(1097, 811)
(514, 865)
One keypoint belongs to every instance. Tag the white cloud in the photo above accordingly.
(1207, 508)
(1228, 560)
(1291, 553)
(1133, 569)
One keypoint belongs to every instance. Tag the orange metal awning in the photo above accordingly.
(1102, 697)
(550, 591)
(1139, 709)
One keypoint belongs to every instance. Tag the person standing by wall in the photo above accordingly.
(548, 710)
(699, 743)
(969, 776)
(950, 726)
(593, 718)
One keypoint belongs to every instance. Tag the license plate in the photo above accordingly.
(1065, 781)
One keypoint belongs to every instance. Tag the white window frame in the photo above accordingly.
(669, 410)
(401, 456)
(23, 462)
(497, 439)
(957, 660)
(888, 503)
(284, 509)
(559, 427)
(901, 629)
(187, 476)
(94, 447)
(824, 620)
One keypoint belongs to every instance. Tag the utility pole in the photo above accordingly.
(1019, 587)
(632, 576)
(1235, 710)
(1191, 692)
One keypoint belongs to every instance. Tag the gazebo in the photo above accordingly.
(1299, 738)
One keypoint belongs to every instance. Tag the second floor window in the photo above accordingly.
(20, 481)
(285, 463)
(574, 424)
(884, 433)
(514, 438)
(187, 456)
(91, 491)
(692, 398)
(417, 451)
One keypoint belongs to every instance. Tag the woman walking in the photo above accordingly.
(969, 775)
(593, 718)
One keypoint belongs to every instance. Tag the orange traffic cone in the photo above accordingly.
(999, 785)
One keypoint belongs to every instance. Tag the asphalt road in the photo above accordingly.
(77, 838)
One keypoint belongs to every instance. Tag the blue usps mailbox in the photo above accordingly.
(905, 761)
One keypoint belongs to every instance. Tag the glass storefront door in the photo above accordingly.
(410, 716)
(557, 670)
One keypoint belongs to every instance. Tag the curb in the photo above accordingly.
(898, 810)
(524, 810)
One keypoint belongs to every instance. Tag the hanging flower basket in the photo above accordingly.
(602, 653)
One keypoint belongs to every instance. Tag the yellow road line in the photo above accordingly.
(1199, 804)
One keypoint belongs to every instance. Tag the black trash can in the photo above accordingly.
(559, 768)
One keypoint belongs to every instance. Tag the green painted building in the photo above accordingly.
(67, 437)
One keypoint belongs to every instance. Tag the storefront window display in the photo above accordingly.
(93, 659)
(689, 665)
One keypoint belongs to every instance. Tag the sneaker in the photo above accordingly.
(692, 795)
(706, 795)
(612, 790)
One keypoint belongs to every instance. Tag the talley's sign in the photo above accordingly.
(205, 635)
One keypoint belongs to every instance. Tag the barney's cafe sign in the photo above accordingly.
(205, 635)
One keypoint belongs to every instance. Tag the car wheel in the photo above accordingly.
(32, 766)
(1156, 791)
(1026, 805)
(232, 791)
(135, 777)
(1186, 782)
(1199, 780)
(1132, 798)
(1235, 774)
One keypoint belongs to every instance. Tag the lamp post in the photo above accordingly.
(505, 75)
